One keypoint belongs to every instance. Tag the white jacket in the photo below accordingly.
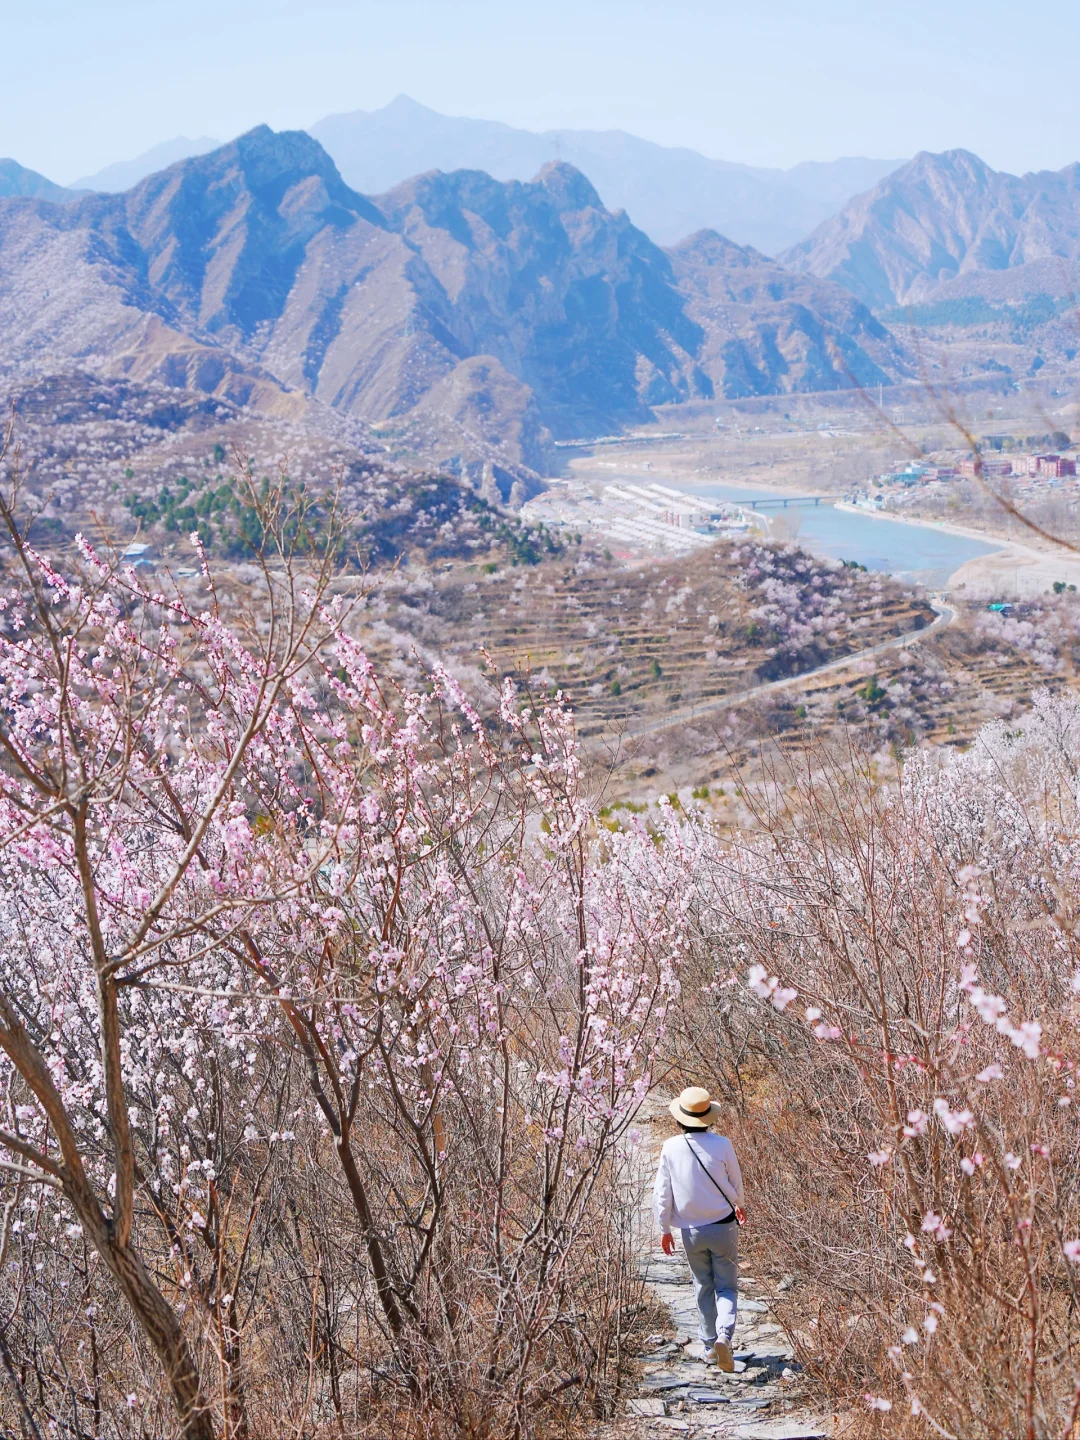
(684, 1194)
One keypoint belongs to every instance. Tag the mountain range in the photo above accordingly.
(475, 318)
(453, 303)
(944, 226)
(669, 192)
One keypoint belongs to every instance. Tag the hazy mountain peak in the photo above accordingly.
(405, 105)
(16, 179)
(568, 187)
(957, 157)
(126, 173)
(711, 244)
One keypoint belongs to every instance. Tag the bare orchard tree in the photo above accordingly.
(896, 970)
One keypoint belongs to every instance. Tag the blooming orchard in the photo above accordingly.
(281, 942)
(917, 952)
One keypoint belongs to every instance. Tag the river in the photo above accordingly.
(906, 551)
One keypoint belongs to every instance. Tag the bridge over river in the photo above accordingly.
(910, 551)
(776, 502)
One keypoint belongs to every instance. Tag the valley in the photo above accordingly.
(652, 650)
(500, 625)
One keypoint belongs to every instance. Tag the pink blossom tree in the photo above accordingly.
(224, 826)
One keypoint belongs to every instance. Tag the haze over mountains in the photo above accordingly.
(668, 192)
(948, 225)
(513, 308)
(125, 173)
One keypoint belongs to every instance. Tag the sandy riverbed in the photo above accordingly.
(1015, 572)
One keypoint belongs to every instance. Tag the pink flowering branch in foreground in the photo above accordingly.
(283, 942)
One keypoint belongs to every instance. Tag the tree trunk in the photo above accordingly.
(156, 1317)
(162, 1329)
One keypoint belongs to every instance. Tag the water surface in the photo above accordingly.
(908, 552)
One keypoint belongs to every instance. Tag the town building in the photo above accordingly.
(988, 467)
(1050, 466)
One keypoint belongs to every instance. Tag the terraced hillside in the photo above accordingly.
(629, 645)
(936, 691)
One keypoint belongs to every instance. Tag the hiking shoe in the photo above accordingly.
(725, 1361)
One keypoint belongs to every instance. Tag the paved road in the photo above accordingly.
(945, 616)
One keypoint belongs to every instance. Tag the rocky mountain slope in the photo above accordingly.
(768, 330)
(473, 315)
(670, 192)
(575, 301)
(949, 224)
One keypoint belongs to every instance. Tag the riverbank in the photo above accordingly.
(1013, 570)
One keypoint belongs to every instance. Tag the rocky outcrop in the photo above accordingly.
(946, 217)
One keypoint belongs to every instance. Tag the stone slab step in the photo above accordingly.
(781, 1430)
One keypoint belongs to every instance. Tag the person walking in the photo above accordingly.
(699, 1191)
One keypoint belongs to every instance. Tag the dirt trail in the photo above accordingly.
(677, 1393)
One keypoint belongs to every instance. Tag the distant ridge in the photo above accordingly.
(16, 179)
(125, 173)
(948, 224)
(668, 192)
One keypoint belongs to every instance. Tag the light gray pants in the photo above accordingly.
(713, 1253)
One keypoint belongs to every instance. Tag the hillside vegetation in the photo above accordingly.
(627, 646)
(329, 1000)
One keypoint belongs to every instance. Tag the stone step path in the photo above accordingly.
(678, 1393)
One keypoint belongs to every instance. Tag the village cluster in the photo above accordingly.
(1028, 473)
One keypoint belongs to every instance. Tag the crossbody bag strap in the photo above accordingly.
(711, 1176)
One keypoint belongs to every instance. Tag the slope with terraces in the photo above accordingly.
(629, 645)
(937, 690)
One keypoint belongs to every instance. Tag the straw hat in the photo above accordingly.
(695, 1107)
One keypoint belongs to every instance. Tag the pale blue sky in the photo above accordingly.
(768, 82)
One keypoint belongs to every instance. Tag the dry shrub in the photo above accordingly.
(895, 972)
